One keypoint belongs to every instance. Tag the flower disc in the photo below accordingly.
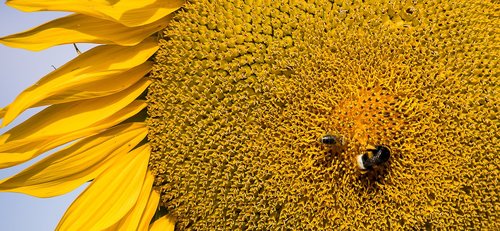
(242, 92)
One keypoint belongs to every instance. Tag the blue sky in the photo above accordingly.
(18, 70)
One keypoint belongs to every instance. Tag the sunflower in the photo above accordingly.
(263, 115)
(96, 100)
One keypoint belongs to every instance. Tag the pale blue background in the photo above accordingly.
(18, 70)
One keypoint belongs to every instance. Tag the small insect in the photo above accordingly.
(373, 157)
(329, 139)
(76, 49)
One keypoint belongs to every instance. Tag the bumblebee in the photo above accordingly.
(329, 139)
(373, 156)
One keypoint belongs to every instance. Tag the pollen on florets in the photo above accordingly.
(242, 90)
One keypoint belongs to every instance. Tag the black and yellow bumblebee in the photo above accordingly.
(330, 140)
(374, 156)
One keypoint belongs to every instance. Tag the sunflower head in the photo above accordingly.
(300, 115)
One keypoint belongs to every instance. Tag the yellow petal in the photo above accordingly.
(111, 196)
(2, 112)
(63, 118)
(62, 123)
(98, 86)
(149, 211)
(83, 29)
(132, 219)
(96, 65)
(16, 152)
(67, 169)
(127, 12)
(164, 223)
